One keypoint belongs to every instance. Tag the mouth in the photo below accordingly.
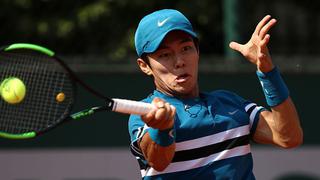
(182, 78)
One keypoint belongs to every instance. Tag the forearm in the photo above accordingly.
(158, 144)
(158, 157)
(281, 125)
(287, 129)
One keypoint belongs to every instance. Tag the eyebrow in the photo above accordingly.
(188, 39)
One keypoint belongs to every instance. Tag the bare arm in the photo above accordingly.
(281, 125)
(158, 156)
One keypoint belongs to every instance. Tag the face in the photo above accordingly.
(174, 65)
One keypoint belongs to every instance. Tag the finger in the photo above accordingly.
(161, 114)
(261, 24)
(158, 103)
(164, 113)
(158, 114)
(263, 50)
(164, 123)
(147, 118)
(265, 29)
(265, 40)
(160, 108)
(156, 118)
(169, 123)
(236, 46)
(156, 100)
(168, 110)
(173, 111)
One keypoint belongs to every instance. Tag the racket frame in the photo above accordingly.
(116, 105)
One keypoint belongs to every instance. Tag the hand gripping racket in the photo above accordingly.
(50, 92)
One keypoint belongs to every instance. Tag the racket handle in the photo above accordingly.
(131, 107)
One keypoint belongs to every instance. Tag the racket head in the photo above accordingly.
(46, 79)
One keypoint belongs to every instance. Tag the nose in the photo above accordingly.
(179, 61)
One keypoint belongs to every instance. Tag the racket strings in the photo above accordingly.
(44, 79)
(44, 83)
(11, 124)
(16, 69)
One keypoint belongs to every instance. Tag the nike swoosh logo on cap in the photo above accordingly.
(161, 23)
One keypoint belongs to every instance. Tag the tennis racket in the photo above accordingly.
(50, 93)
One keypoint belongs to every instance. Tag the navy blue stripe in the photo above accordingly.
(251, 109)
(135, 150)
(210, 149)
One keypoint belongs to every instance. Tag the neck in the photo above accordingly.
(192, 94)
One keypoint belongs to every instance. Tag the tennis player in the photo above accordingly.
(204, 135)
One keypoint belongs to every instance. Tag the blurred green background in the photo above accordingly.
(96, 40)
(106, 27)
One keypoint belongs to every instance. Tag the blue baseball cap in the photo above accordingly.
(153, 28)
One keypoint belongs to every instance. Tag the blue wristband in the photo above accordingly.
(274, 88)
(162, 137)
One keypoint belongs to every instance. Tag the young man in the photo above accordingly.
(199, 135)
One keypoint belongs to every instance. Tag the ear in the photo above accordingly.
(144, 66)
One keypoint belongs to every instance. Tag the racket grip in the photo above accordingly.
(131, 107)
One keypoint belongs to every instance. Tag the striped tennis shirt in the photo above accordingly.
(213, 134)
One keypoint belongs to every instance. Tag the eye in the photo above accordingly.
(187, 48)
(164, 55)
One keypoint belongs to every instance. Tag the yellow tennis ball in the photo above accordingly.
(12, 90)
(60, 97)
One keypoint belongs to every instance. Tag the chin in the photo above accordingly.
(184, 91)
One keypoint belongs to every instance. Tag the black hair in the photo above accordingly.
(145, 58)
